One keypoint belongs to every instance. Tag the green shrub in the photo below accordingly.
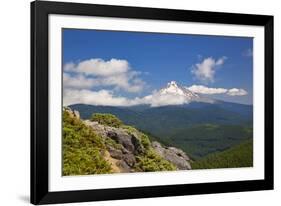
(145, 141)
(82, 149)
(84, 161)
(107, 119)
(151, 162)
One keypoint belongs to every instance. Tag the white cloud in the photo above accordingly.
(77, 82)
(157, 99)
(200, 89)
(99, 67)
(126, 81)
(69, 67)
(205, 71)
(236, 92)
(107, 98)
(97, 72)
(102, 97)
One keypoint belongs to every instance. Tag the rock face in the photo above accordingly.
(173, 155)
(122, 138)
(129, 144)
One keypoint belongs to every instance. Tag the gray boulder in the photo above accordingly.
(124, 167)
(131, 142)
(98, 128)
(179, 153)
(173, 155)
(122, 138)
(129, 159)
(115, 153)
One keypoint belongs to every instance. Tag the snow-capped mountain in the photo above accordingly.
(174, 89)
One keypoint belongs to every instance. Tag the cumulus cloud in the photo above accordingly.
(108, 98)
(68, 67)
(101, 97)
(99, 67)
(97, 72)
(157, 99)
(77, 82)
(236, 92)
(200, 89)
(205, 71)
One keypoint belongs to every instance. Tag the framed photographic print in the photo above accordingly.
(131, 102)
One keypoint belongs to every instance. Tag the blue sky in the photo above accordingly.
(148, 61)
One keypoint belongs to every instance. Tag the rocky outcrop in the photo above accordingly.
(72, 113)
(125, 146)
(122, 138)
(129, 144)
(173, 155)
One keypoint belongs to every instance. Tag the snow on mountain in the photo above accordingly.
(181, 93)
(174, 89)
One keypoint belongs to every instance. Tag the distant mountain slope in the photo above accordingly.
(192, 113)
(203, 139)
(238, 156)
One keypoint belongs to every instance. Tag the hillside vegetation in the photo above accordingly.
(105, 145)
(237, 156)
(203, 139)
(107, 119)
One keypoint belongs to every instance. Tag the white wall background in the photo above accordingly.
(14, 102)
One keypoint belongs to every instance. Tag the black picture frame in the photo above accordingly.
(39, 102)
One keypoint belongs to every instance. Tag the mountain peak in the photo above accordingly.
(172, 83)
(174, 89)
